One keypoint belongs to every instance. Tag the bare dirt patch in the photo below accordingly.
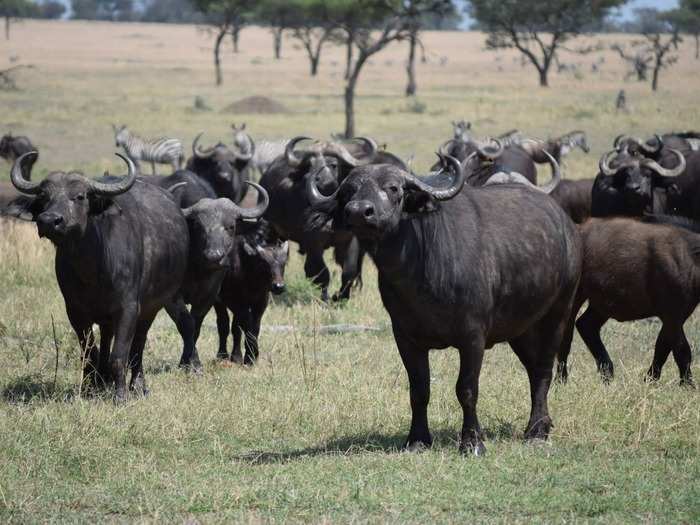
(256, 105)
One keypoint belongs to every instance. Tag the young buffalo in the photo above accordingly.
(258, 271)
(633, 270)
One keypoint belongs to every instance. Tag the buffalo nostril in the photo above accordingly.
(369, 212)
(57, 221)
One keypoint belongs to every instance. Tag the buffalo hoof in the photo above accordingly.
(222, 355)
(237, 358)
(652, 376)
(194, 367)
(416, 446)
(539, 430)
(562, 373)
(138, 387)
(606, 371)
(120, 396)
(687, 382)
(473, 448)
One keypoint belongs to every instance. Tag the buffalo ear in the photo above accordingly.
(24, 208)
(418, 201)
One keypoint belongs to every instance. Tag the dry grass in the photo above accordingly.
(311, 433)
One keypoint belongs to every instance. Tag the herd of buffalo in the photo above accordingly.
(472, 254)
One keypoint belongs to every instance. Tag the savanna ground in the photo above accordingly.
(312, 433)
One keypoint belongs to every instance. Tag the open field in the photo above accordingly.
(312, 432)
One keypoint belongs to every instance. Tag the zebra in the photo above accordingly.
(160, 150)
(264, 151)
(557, 148)
(461, 130)
(511, 138)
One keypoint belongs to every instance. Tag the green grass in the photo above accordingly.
(312, 433)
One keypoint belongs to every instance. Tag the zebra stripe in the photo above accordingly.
(161, 150)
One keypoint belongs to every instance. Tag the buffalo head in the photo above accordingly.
(634, 177)
(62, 203)
(371, 201)
(212, 225)
(268, 253)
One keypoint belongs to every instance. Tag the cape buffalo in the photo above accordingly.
(627, 182)
(633, 270)
(450, 274)
(262, 257)
(285, 181)
(11, 148)
(225, 169)
(212, 225)
(120, 257)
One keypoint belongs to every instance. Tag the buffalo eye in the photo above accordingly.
(80, 197)
(393, 189)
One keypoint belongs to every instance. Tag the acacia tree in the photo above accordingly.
(537, 29)
(225, 18)
(11, 9)
(415, 20)
(639, 60)
(661, 46)
(687, 19)
(280, 15)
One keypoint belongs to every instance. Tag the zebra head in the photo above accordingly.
(573, 140)
(242, 142)
(461, 130)
(121, 135)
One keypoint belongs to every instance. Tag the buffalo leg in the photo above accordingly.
(123, 337)
(316, 270)
(177, 310)
(348, 257)
(671, 338)
(237, 325)
(138, 381)
(252, 333)
(417, 364)
(589, 326)
(683, 356)
(222, 327)
(89, 352)
(467, 390)
(565, 347)
(106, 337)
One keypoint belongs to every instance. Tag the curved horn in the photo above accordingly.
(260, 209)
(18, 180)
(666, 172)
(289, 154)
(620, 141)
(197, 151)
(443, 194)
(446, 147)
(343, 154)
(314, 195)
(109, 189)
(604, 164)
(556, 175)
(532, 147)
(652, 149)
(491, 154)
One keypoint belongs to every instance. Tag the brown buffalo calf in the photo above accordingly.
(634, 270)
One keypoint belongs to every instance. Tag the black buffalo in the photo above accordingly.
(259, 270)
(628, 183)
(450, 266)
(285, 181)
(224, 169)
(12, 148)
(212, 225)
(121, 255)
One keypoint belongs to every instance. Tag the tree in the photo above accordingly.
(113, 10)
(280, 15)
(226, 17)
(660, 46)
(11, 9)
(415, 18)
(50, 10)
(687, 20)
(537, 29)
(639, 60)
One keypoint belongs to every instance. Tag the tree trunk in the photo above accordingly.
(278, 42)
(314, 63)
(697, 46)
(655, 77)
(7, 28)
(350, 97)
(411, 65)
(348, 57)
(544, 81)
(217, 55)
(235, 33)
